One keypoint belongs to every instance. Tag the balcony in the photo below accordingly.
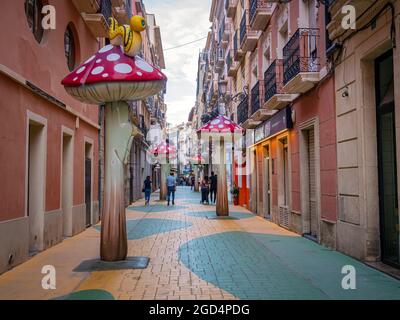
(226, 32)
(87, 6)
(260, 14)
(213, 95)
(232, 66)
(220, 60)
(230, 7)
(97, 21)
(258, 113)
(243, 111)
(274, 97)
(122, 10)
(248, 37)
(238, 54)
(301, 64)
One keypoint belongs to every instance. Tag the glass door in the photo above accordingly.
(387, 162)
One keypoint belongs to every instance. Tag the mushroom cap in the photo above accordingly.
(164, 148)
(110, 76)
(197, 159)
(221, 124)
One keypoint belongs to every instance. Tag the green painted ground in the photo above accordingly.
(267, 267)
(88, 295)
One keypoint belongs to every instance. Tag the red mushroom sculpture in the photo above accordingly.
(163, 154)
(223, 129)
(197, 161)
(112, 78)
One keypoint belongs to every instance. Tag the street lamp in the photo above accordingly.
(224, 99)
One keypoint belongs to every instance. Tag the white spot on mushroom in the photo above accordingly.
(113, 57)
(221, 126)
(90, 59)
(227, 122)
(80, 70)
(143, 65)
(105, 75)
(139, 73)
(97, 70)
(106, 48)
(98, 60)
(215, 122)
(123, 68)
(76, 78)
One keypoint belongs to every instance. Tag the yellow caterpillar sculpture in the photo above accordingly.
(128, 36)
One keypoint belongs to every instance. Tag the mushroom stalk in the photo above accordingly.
(222, 192)
(163, 186)
(118, 133)
(196, 179)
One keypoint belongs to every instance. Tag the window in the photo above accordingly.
(33, 12)
(69, 48)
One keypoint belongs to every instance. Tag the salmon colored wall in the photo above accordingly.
(13, 124)
(318, 103)
(45, 64)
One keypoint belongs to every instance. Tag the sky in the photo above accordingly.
(181, 21)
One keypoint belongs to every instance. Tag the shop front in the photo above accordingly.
(269, 168)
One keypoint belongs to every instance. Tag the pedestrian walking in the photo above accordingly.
(171, 187)
(213, 187)
(193, 181)
(147, 190)
(205, 190)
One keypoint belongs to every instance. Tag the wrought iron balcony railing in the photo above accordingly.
(106, 9)
(235, 42)
(255, 98)
(243, 111)
(243, 29)
(229, 60)
(128, 8)
(301, 53)
(273, 82)
(256, 5)
(221, 31)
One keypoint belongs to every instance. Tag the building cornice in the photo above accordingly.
(43, 94)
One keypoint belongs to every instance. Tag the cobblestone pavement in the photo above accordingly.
(195, 256)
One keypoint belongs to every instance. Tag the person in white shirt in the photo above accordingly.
(171, 186)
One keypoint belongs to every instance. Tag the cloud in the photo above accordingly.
(181, 21)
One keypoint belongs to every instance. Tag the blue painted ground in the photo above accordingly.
(212, 214)
(269, 267)
(143, 228)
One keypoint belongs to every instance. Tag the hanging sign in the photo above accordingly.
(277, 123)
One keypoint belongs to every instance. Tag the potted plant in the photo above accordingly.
(235, 193)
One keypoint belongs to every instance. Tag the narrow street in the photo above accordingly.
(196, 257)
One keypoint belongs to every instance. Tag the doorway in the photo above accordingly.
(267, 184)
(387, 162)
(312, 187)
(67, 182)
(36, 176)
(88, 183)
(254, 190)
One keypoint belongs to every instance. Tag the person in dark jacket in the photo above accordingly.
(147, 190)
(213, 187)
(205, 190)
